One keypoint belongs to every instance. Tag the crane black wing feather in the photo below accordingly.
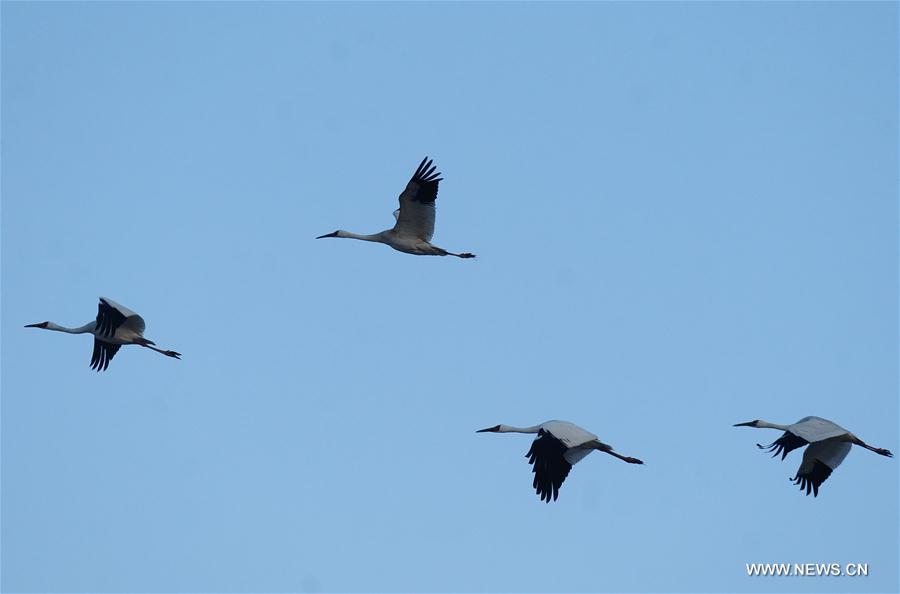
(550, 467)
(423, 186)
(108, 319)
(812, 480)
(784, 444)
(103, 354)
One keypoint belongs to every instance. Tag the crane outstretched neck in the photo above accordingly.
(377, 237)
(763, 425)
(510, 429)
(86, 329)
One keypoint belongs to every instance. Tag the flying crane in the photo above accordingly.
(414, 225)
(116, 325)
(828, 442)
(558, 446)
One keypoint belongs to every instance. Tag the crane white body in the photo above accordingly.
(414, 226)
(115, 325)
(828, 444)
(559, 446)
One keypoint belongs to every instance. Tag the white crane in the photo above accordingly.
(115, 325)
(558, 446)
(415, 218)
(828, 442)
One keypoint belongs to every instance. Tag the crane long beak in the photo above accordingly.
(327, 235)
(749, 424)
(34, 325)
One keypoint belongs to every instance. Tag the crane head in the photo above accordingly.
(41, 325)
(748, 424)
(494, 429)
(334, 234)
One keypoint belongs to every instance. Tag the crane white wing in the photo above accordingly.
(575, 455)
(570, 434)
(814, 429)
(117, 306)
(819, 460)
(136, 324)
(417, 212)
(112, 316)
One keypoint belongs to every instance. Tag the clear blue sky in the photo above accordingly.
(685, 215)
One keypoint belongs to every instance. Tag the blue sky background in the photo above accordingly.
(685, 216)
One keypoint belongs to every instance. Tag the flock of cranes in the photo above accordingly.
(559, 444)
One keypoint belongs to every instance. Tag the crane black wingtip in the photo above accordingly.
(426, 174)
(422, 167)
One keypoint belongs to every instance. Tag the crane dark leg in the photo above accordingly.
(166, 353)
(608, 449)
